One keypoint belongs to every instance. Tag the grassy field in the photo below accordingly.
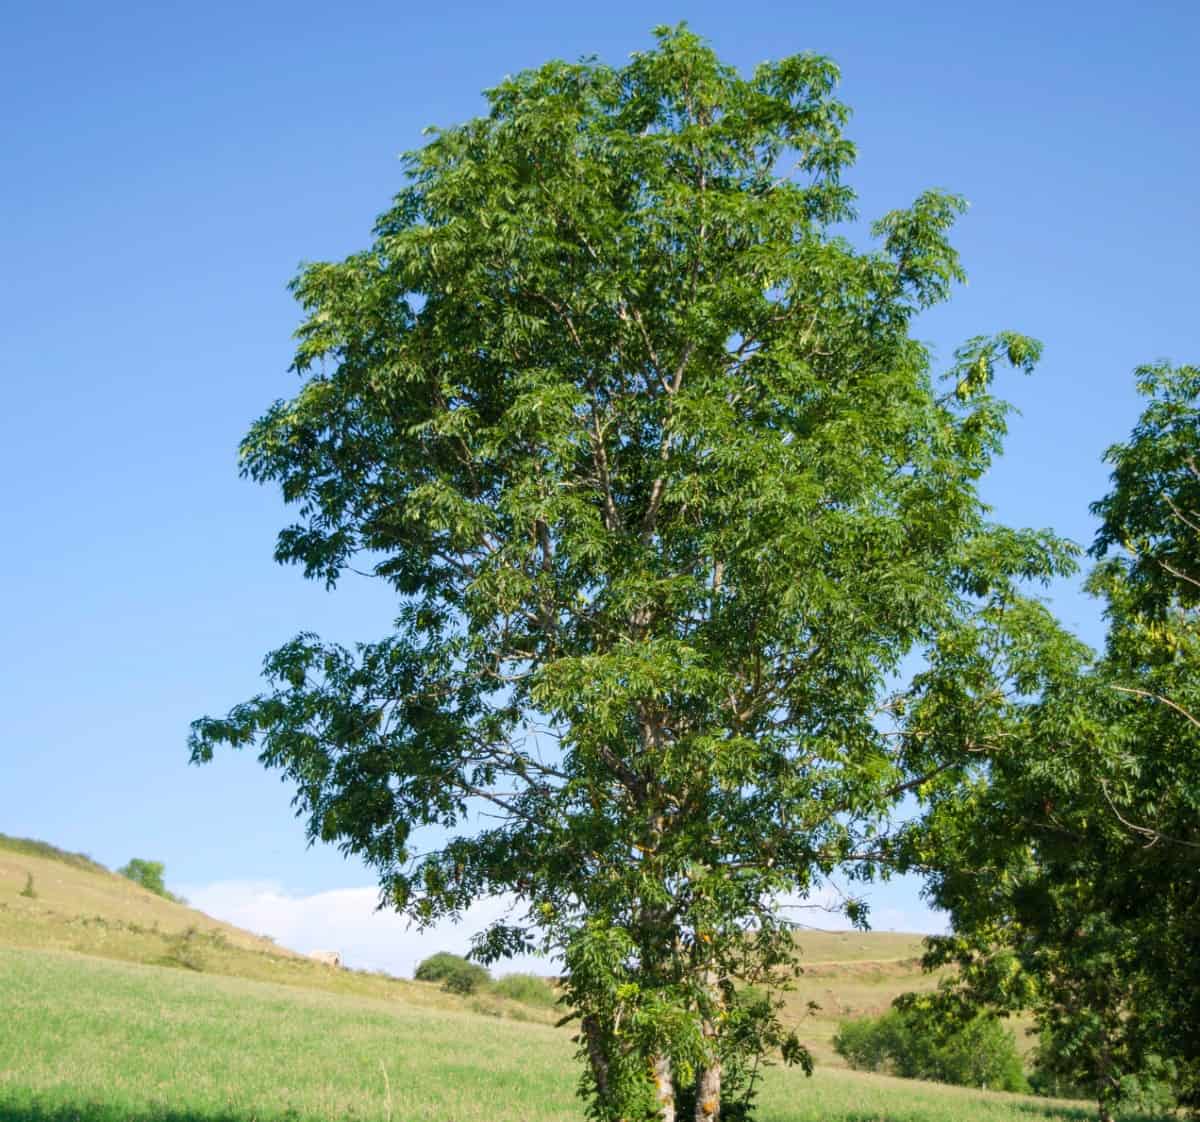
(80, 906)
(117, 1004)
(90, 1040)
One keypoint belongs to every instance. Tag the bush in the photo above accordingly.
(528, 989)
(455, 973)
(185, 949)
(1061, 1074)
(29, 890)
(149, 874)
(872, 1043)
(981, 1053)
(51, 852)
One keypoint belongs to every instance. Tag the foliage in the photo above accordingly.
(528, 989)
(186, 949)
(29, 891)
(980, 1053)
(1153, 1089)
(150, 875)
(34, 848)
(455, 973)
(85, 1040)
(668, 494)
(753, 1036)
(1070, 867)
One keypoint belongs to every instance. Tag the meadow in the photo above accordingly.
(116, 1004)
(92, 1040)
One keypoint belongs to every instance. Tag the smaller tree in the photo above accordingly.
(455, 973)
(914, 1042)
(1069, 867)
(150, 875)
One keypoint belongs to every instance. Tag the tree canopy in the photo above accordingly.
(1071, 868)
(667, 492)
(149, 874)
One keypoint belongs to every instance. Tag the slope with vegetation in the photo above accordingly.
(79, 905)
(89, 1040)
(140, 1036)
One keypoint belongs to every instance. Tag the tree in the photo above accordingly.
(667, 494)
(909, 1042)
(1152, 667)
(1088, 909)
(149, 874)
(457, 974)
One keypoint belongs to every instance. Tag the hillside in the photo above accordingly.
(850, 974)
(82, 907)
(83, 1039)
(117, 1004)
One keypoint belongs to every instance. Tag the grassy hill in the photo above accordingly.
(118, 1004)
(80, 906)
(83, 1039)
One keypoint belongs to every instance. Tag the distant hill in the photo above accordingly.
(81, 906)
(83, 1039)
(90, 1040)
(850, 974)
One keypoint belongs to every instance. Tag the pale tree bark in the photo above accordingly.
(708, 1081)
(664, 1087)
(708, 1093)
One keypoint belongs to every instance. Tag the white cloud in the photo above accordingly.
(346, 920)
(917, 920)
(821, 909)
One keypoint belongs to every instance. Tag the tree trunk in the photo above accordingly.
(708, 1093)
(664, 1087)
(1110, 1085)
(595, 1051)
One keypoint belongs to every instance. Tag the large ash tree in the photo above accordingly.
(667, 493)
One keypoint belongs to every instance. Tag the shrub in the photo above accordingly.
(1154, 1090)
(528, 989)
(184, 949)
(149, 874)
(455, 973)
(51, 852)
(29, 890)
(980, 1053)
(869, 1043)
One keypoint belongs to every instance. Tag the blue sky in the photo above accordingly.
(163, 170)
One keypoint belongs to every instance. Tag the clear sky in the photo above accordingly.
(164, 168)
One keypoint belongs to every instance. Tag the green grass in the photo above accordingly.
(44, 850)
(81, 906)
(105, 1040)
(101, 1019)
(88, 1040)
